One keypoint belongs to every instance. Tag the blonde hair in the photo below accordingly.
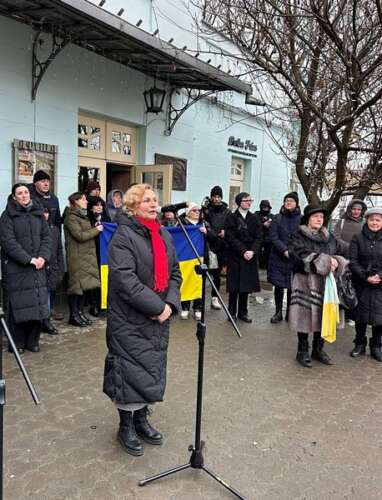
(133, 197)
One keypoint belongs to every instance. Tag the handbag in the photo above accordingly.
(346, 292)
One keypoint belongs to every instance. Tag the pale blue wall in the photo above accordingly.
(78, 79)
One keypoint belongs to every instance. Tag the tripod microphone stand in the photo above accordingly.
(4, 328)
(197, 459)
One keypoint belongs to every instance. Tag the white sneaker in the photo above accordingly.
(215, 304)
(184, 314)
(198, 315)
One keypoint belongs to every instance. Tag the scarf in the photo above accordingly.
(161, 276)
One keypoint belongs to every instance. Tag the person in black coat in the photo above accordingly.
(243, 236)
(215, 212)
(265, 215)
(143, 292)
(280, 268)
(55, 269)
(366, 267)
(25, 248)
(40, 191)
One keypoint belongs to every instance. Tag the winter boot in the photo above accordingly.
(277, 317)
(81, 313)
(48, 327)
(318, 352)
(302, 355)
(74, 318)
(127, 435)
(375, 349)
(358, 350)
(144, 429)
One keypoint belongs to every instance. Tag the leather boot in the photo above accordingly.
(277, 317)
(144, 429)
(318, 352)
(375, 349)
(74, 318)
(81, 313)
(302, 355)
(47, 327)
(127, 435)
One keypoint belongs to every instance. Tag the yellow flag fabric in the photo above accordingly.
(330, 310)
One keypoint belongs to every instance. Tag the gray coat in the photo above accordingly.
(347, 226)
(24, 234)
(135, 366)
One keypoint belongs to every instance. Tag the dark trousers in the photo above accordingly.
(279, 298)
(303, 340)
(196, 305)
(25, 334)
(264, 254)
(238, 303)
(360, 334)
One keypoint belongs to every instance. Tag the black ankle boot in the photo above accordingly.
(375, 349)
(74, 318)
(277, 317)
(144, 429)
(358, 350)
(318, 352)
(48, 327)
(127, 435)
(302, 355)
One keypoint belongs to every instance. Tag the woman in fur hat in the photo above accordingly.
(314, 253)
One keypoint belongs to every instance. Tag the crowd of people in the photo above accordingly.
(296, 248)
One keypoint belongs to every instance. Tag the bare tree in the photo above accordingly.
(318, 63)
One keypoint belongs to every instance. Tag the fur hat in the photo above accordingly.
(40, 175)
(311, 209)
(92, 185)
(373, 211)
(216, 191)
(240, 196)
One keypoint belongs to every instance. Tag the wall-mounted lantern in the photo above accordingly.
(154, 99)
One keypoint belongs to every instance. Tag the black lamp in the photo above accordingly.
(154, 98)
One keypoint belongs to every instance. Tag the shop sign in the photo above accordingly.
(246, 145)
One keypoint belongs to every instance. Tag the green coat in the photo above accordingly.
(81, 257)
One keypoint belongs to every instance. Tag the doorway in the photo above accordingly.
(118, 177)
(236, 179)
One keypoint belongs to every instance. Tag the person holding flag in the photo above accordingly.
(143, 292)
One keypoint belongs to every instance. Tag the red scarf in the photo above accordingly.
(160, 254)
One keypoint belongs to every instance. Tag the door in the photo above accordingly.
(236, 180)
(91, 169)
(159, 177)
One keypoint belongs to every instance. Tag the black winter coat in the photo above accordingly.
(55, 267)
(24, 234)
(280, 267)
(215, 217)
(365, 261)
(135, 366)
(242, 235)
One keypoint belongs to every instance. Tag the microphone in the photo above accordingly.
(174, 207)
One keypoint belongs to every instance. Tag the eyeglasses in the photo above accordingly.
(195, 210)
(245, 199)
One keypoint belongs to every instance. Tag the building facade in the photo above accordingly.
(88, 120)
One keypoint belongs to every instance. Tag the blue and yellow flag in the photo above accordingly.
(192, 283)
(330, 310)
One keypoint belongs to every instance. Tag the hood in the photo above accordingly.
(14, 209)
(74, 211)
(294, 213)
(109, 199)
(350, 205)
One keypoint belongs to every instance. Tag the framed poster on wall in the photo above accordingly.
(179, 171)
(32, 156)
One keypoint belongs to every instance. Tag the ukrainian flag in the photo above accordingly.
(330, 310)
(192, 283)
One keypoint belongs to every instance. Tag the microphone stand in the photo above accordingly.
(197, 459)
(4, 328)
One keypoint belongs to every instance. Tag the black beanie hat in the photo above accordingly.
(265, 203)
(40, 175)
(216, 191)
(240, 196)
(292, 195)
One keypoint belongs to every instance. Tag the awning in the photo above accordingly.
(95, 29)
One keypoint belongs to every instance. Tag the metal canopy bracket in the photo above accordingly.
(175, 112)
(39, 67)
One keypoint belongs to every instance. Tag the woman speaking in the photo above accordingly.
(144, 282)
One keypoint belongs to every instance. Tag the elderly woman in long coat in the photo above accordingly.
(243, 235)
(314, 253)
(25, 248)
(143, 292)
